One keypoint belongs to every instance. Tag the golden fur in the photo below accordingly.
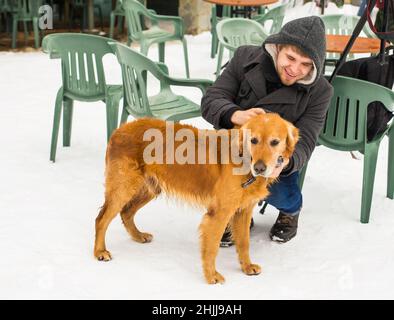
(131, 183)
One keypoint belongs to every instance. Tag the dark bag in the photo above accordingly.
(378, 25)
(369, 69)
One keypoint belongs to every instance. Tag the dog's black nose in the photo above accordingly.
(259, 167)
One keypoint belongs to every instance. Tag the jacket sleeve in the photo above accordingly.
(219, 99)
(310, 124)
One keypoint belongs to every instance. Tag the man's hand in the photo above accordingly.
(279, 169)
(241, 117)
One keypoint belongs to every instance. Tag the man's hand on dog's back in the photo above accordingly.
(240, 117)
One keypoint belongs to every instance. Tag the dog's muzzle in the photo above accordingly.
(259, 168)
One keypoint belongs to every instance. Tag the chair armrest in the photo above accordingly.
(177, 21)
(47, 48)
(202, 84)
(228, 46)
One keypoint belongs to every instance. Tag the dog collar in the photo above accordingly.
(250, 180)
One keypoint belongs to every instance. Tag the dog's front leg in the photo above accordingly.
(211, 230)
(240, 232)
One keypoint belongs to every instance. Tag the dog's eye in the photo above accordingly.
(274, 142)
(254, 141)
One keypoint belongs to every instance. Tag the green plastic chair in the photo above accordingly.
(83, 80)
(226, 13)
(25, 11)
(165, 105)
(345, 129)
(235, 32)
(134, 11)
(275, 15)
(120, 13)
(342, 25)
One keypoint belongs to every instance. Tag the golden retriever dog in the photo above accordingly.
(228, 198)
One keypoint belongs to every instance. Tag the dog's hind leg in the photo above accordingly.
(240, 226)
(130, 209)
(120, 188)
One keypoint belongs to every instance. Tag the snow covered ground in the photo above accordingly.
(47, 211)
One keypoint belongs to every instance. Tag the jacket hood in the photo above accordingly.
(309, 35)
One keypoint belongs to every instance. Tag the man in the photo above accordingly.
(283, 76)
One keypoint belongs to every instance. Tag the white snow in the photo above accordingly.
(47, 211)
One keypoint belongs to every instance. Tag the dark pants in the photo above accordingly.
(285, 195)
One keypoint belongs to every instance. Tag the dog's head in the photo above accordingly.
(270, 140)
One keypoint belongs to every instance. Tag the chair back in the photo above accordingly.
(276, 15)
(134, 12)
(82, 62)
(235, 32)
(135, 68)
(25, 8)
(119, 5)
(345, 127)
(339, 24)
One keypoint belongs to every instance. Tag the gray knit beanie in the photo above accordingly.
(306, 33)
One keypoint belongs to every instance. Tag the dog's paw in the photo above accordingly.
(143, 237)
(103, 255)
(251, 269)
(215, 278)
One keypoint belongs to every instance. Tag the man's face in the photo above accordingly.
(291, 66)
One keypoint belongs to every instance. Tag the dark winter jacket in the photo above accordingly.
(250, 80)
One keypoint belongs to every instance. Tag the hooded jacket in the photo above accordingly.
(250, 80)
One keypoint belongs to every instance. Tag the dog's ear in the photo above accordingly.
(292, 138)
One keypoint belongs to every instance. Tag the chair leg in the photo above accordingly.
(111, 25)
(56, 124)
(120, 24)
(214, 44)
(85, 17)
(144, 49)
(124, 116)
(220, 57)
(184, 42)
(112, 106)
(26, 33)
(71, 18)
(68, 107)
(101, 17)
(36, 33)
(370, 157)
(390, 173)
(162, 46)
(14, 32)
